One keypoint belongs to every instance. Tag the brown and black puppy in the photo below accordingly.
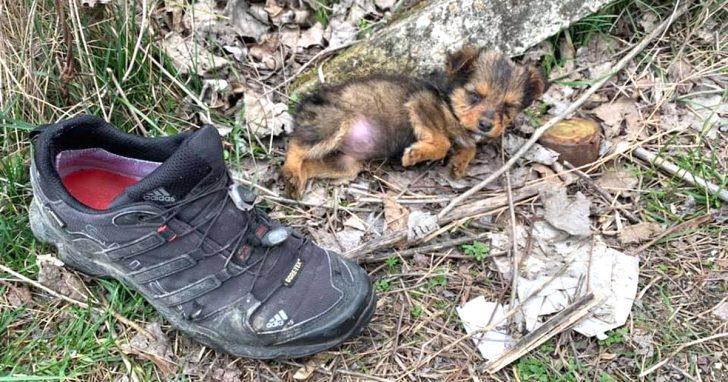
(338, 128)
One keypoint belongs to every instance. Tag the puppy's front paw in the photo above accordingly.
(458, 170)
(410, 157)
(294, 183)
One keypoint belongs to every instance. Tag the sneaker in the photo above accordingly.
(163, 216)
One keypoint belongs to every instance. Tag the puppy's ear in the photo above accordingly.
(536, 85)
(461, 61)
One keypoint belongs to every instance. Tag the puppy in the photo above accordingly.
(338, 128)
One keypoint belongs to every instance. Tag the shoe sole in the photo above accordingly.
(45, 231)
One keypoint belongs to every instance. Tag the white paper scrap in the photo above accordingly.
(476, 314)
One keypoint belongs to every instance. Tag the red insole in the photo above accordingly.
(96, 188)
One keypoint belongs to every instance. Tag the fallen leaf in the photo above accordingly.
(680, 72)
(721, 311)
(340, 33)
(648, 21)
(711, 113)
(614, 113)
(618, 180)
(19, 295)
(558, 97)
(267, 52)
(187, 55)
(306, 371)
(244, 22)
(644, 341)
(395, 216)
(313, 36)
(639, 232)
(349, 238)
(419, 224)
(355, 222)
(264, 117)
(156, 349)
(52, 274)
(567, 214)
(384, 4)
(176, 12)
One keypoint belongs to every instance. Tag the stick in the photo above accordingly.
(53, 293)
(672, 169)
(680, 349)
(573, 107)
(469, 210)
(552, 327)
(425, 249)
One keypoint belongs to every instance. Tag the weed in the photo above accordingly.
(478, 251)
(416, 311)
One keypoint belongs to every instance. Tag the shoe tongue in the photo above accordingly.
(196, 165)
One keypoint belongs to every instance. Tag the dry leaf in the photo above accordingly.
(19, 295)
(52, 274)
(306, 371)
(567, 214)
(384, 4)
(618, 180)
(639, 232)
(355, 222)
(187, 55)
(244, 22)
(156, 349)
(644, 341)
(648, 21)
(395, 216)
(721, 311)
(711, 112)
(349, 238)
(419, 224)
(313, 36)
(680, 72)
(614, 113)
(340, 33)
(266, 52)
(176, 12)
(264, 118)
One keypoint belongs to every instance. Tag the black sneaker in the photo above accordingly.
(163, 216)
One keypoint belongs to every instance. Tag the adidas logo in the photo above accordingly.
(278, 320)
(159, 195)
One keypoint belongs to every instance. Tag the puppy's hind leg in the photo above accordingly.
(333, 166)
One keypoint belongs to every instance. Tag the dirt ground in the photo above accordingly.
(671, 99)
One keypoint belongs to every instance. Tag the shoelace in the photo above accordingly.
(243, 200)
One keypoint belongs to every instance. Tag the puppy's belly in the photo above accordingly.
(363, 140)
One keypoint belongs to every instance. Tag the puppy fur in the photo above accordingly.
(338, 128)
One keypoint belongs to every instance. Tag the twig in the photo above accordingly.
(67, 70)
(84, 305)
(425, 249)
(555, 325)
(514, 240)
(680, 349)
(573, 107)
(671, 168)
(609, 198)
(476, 208)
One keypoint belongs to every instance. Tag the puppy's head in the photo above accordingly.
(488, 90)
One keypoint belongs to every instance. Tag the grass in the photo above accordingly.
(48, 339)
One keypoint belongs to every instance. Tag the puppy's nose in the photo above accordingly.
(485, 125)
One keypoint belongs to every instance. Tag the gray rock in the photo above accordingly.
(418, 41)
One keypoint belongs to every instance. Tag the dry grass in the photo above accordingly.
(415, 332)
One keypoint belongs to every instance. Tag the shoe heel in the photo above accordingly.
(44, 231)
